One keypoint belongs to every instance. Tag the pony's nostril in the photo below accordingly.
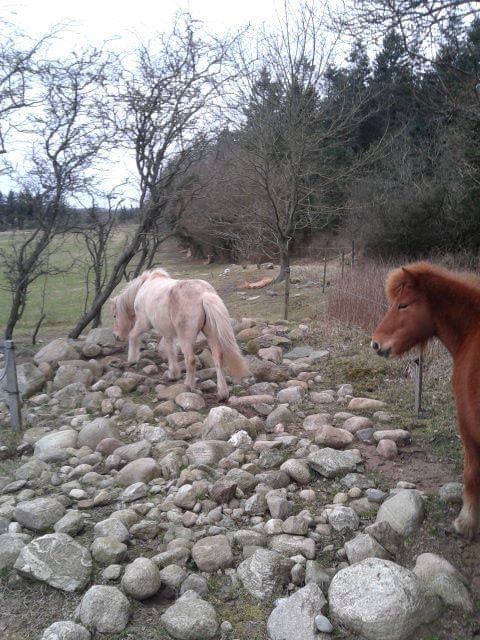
(375, 345)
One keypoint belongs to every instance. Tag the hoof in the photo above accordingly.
(466, 526)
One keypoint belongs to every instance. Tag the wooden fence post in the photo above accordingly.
(287, 292)
(11, 385)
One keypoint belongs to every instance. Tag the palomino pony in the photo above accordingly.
(429, 301)
(178, 310)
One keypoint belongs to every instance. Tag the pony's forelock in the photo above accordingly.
(412, 274)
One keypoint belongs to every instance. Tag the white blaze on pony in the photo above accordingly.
(178, 310)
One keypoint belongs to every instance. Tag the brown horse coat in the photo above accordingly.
(429, 301)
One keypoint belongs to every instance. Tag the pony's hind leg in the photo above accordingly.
(186, 347)
(468, 519)
(222, 387)
(169, 346)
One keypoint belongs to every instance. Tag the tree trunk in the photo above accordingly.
(284, 264)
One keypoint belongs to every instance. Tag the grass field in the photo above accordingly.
(65, 293)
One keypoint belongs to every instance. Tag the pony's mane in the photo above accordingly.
(424, 272)
(126, 298)
(156, 273)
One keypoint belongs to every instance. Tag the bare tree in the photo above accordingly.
(166, 105)
(19, 61)
(286, 149)
(66, 127)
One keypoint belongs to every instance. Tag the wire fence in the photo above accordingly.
(356, 299)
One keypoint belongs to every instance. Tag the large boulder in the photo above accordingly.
(331, 462)
(380, 600)
(53, 352)
(30, 380)
(104, 609)
(212, 553)
(38, 514)
(56, 559)
(294, 617)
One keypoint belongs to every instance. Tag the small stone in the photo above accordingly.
(323, 624)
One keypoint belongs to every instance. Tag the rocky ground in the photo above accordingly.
(133, 508)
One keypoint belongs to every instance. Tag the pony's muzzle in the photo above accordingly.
(377, 347)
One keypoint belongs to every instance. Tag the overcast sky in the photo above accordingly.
(98, 20)
(124, 24)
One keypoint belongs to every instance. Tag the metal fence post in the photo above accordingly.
(11, 386)
(324, 273)
(418, 382)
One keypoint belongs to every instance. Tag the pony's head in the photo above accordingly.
(123, 320)
(408, 322)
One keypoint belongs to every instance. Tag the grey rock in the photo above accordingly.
(404, 511)
(140, 470)
(380, 600)
(30, 380)
(53, 352)
(57, 560)
(440, 578)
(292, 545)
(111, 527)
(141, 579)
(108, 550)
(323, 624)
(92, 433)
(65, 630)
(104, 609)
(222, 422)
(135, 450)
(38, 514)
(71, 523)
(212, 553)
(208, 451)
(343, 519)
(331, 463)
(294, 617)
(10, 546)
(264, 573)
(190, 618)
(451, 493)
(364, 546)
(56, 440)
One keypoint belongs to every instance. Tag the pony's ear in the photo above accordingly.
(410, 277)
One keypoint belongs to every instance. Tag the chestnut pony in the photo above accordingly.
(429, 301)
(178, 310)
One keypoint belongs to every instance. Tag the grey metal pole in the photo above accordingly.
(12, 385)
(418, 382)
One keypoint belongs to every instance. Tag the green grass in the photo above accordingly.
(65, 292)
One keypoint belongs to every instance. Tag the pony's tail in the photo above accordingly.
(218, 319)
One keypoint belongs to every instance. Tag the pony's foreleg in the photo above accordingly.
(469, 518)
(190, 365)
(217, 355)
(134, 336)
(170, 349)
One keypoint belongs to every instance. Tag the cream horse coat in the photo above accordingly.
(178, 310)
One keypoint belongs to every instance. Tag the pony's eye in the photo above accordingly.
(403, 305)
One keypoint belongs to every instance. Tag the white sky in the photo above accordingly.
(124, 24)
(98, 20)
